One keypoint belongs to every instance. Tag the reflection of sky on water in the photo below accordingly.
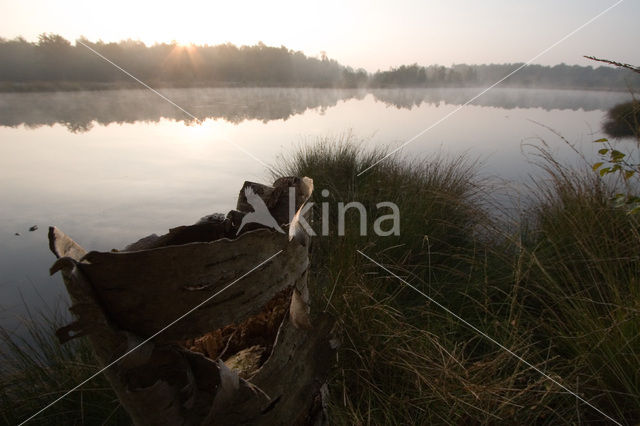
(145, 172)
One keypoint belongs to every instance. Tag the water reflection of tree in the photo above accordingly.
(79, 111)
(506, 98)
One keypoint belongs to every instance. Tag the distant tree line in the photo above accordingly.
(54, 59)
(559, 76)
(55, 63)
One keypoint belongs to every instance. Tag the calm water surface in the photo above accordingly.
(111, 167)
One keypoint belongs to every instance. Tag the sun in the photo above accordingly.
(184, 53)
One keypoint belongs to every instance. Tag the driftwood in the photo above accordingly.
(250, 353)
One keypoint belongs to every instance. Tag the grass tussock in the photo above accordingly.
(583, 283)
(623, 120)
(561, 290)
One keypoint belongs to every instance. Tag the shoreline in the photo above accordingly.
(76, 86)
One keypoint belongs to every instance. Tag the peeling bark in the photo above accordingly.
(261, 323)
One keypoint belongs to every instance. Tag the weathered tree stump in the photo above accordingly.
(132, 304)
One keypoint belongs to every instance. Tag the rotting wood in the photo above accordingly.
(262, 323)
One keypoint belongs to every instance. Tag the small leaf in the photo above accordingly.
(603, 151)
(617, 155)
(601, 140)
(628, 174)
(597, 165)
(605, 171)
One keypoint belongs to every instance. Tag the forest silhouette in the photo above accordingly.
(54, 63)
(53, 59)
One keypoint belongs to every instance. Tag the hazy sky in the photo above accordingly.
(370, 34)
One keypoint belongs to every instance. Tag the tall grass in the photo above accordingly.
(582, 281)
(35, 369)
(438, 201)
(561, 292)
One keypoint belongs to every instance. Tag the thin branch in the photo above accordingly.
(618, 64)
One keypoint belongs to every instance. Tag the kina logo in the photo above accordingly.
(260, 213)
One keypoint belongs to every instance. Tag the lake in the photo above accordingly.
(110, 167)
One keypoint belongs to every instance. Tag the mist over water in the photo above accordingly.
(80, 111)
(110, 167)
